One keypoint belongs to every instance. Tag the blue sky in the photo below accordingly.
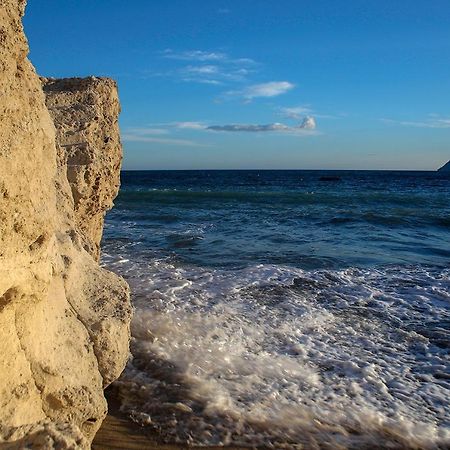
(360, 84)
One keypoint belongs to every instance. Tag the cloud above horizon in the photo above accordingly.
(432, 122)
(307, 124)
(157, 133)
(194, 55)
(213, 74)
(152, 135)
(262, 90)
(217, 68)
(189, 125)
(296, 112)
(208, 67)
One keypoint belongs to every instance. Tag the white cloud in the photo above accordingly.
(215, 74)
(245, 61)
(202, 70)
(194, 55)
(264, 90)
(433, 122)
(165, 141)
(152, 135)
(271, 89)
(190, 125)
(307, 126)
(202, 81)
(208, 67)
(296, 112)
(308, 123)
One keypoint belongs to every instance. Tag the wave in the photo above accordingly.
(282, 357)
(145, 194)
(323, 209)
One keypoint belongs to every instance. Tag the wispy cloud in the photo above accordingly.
(262, 90)
(206, 56)
(201, 80)
(433, 122)
(152, 135)
(297, 112)
(213, 74)
(202, 70)
(271, 89)
(307, 126)
(163, 141)
(194, 55)
(208, 67)
(189, 125)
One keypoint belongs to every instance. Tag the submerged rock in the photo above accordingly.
(64, 321)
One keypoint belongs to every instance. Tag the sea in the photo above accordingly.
(286, 309)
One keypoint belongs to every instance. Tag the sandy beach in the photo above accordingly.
(119, 432)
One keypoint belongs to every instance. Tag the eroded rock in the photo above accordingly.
(85, 112)
(64, 321)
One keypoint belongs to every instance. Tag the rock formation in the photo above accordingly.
(445, 168)
(85, 112)
(64, 321)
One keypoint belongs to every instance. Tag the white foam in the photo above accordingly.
(274, 354)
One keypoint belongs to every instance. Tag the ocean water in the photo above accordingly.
(287, 309)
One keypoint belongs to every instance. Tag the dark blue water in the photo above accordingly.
(285, 308)
(236, 218)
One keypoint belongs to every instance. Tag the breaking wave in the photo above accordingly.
(283, 357)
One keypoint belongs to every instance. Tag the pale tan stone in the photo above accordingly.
(85, 112)
(64, 321)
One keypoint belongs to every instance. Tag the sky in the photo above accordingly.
(263, 84)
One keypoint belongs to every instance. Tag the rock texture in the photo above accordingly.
(64, 321)
(85, 112)
(445, 168)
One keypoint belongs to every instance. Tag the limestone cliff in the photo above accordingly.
(85, 112)
(64, 321)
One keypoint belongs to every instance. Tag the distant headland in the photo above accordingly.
(445, 168)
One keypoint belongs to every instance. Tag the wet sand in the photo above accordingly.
(119, 432)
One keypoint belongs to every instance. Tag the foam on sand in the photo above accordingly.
(272, 355)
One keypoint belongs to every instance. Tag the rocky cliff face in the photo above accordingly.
(85, 113)
(64, 321)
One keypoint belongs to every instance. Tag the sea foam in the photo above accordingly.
(283, 357)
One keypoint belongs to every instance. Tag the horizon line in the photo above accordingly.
(285, 170)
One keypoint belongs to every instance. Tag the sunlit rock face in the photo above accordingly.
(64, 321)
(85, 112)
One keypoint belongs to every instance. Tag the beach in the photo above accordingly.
(119, 432)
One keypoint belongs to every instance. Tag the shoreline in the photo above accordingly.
(119, 432)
